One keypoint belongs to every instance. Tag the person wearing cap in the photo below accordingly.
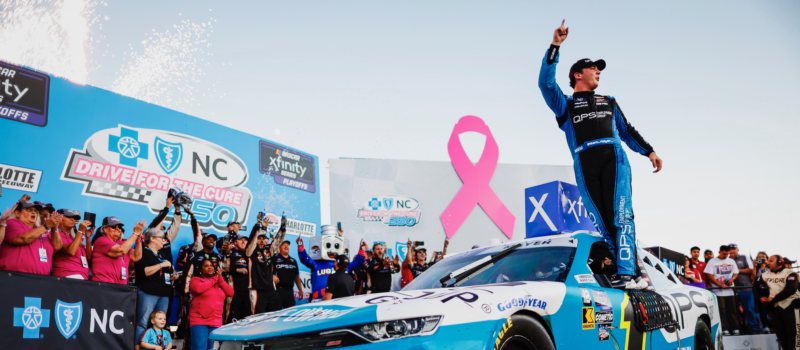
(414, 265)
(237, 268)
(111, 254)
(153, 273)
(340, 283)
(45, 211)
(595, 127)
(288, 274)
(697, 264)
(777, 290)
(29, 248)
(263, 297)
(744, 282)
(72, 260)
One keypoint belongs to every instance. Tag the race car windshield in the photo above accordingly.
(550, 263)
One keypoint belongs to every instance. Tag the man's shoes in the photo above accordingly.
(736, 332)
(625, 282)
(642, 283)
(726, 333)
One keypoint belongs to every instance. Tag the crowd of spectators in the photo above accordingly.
(217, 279)
(755, 296)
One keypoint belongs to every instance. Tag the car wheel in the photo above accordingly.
(703, 340)
(521, 332)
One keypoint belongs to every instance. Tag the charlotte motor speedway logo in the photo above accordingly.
(140, 165)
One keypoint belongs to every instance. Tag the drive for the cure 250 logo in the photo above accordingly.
(391, 210)
(140, 165)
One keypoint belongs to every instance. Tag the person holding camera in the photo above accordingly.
(340, 283)
(153, 280)
(777, 289)
(72, 261)
(111, 254)
(29, 248)
(380, 269)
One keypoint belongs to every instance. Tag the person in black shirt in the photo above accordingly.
(153, 279)
(340, 284)
(380, 269)
(263, 297)
(288, 274)
(238, 267)
(169, 235)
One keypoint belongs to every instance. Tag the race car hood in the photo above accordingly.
(457, 305)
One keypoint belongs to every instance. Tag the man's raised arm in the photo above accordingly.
(547, 74)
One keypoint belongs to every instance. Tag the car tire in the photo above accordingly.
(703, 340)
(521, 332)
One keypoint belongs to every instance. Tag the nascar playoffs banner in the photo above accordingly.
(40, 312)
(91, 150)
(393, 201)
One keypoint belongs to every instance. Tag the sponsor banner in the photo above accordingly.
(19, 178)
(604, 317)
(289, 167)
(586, 296)
(305, 278)
(588, 321)
(555, 207)
(44, 312)
(601, 300)
(25, 95)
(300, 228)
(586, 278)
(672, 259)
(398, 211)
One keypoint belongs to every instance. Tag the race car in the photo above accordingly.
(539, 293)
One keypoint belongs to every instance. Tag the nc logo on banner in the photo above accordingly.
(555, 207)
(68, 317)
(168, 154)
(402, 250)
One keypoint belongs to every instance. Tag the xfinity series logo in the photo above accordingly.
(140, 165)
(555, 207)
(288, 167)
(392, 210)
(24, 95)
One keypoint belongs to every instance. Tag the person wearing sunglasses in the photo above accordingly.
(111, 254)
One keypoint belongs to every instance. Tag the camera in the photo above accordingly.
(760, 261)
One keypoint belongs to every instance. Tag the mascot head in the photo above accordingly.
(327, 246)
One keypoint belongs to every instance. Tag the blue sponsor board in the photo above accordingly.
(555, 207)
(289, 167)
(100, 152)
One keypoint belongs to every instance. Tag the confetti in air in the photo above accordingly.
(168, 68)
(51, 36)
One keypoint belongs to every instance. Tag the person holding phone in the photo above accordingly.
(72, 261)
(380, 269)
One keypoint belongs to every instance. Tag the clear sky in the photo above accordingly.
(711, 85)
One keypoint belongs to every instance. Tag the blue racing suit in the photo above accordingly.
(594, 126)
(321, 270)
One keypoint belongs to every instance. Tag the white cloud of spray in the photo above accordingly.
(48, 35)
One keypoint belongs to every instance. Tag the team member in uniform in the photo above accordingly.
(594, 125)
(263, 297)
(778, 287)
(240, 303)
(380, 269)
(288, 274)
(414, 265)
(340, 283)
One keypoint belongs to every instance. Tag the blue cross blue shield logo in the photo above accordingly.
(402, 250)
(68, 317)
(387, 203)
(128, 146)
(374, 204)
(31, 318)
(169, 155)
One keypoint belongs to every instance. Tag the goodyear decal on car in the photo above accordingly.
(588, 318)
(506, 326)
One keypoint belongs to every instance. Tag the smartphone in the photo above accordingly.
(419, 243)
(760, 261)
(339, 225)
(243, 228)
(91, 217)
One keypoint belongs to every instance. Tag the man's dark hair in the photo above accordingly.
(286, 242)
(724, 248)
(694, 248)
(572, 77)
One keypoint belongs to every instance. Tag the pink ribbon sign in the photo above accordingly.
(476, 179)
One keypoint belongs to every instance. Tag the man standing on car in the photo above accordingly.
(595, 126)
(288, 275)
(778, 287)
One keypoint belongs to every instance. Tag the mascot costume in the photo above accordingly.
(324, 249)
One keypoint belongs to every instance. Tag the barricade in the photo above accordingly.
(47, 312)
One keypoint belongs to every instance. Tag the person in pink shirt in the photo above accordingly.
(111, 255)
(28, 248)
(72, 261)
(207, 303)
